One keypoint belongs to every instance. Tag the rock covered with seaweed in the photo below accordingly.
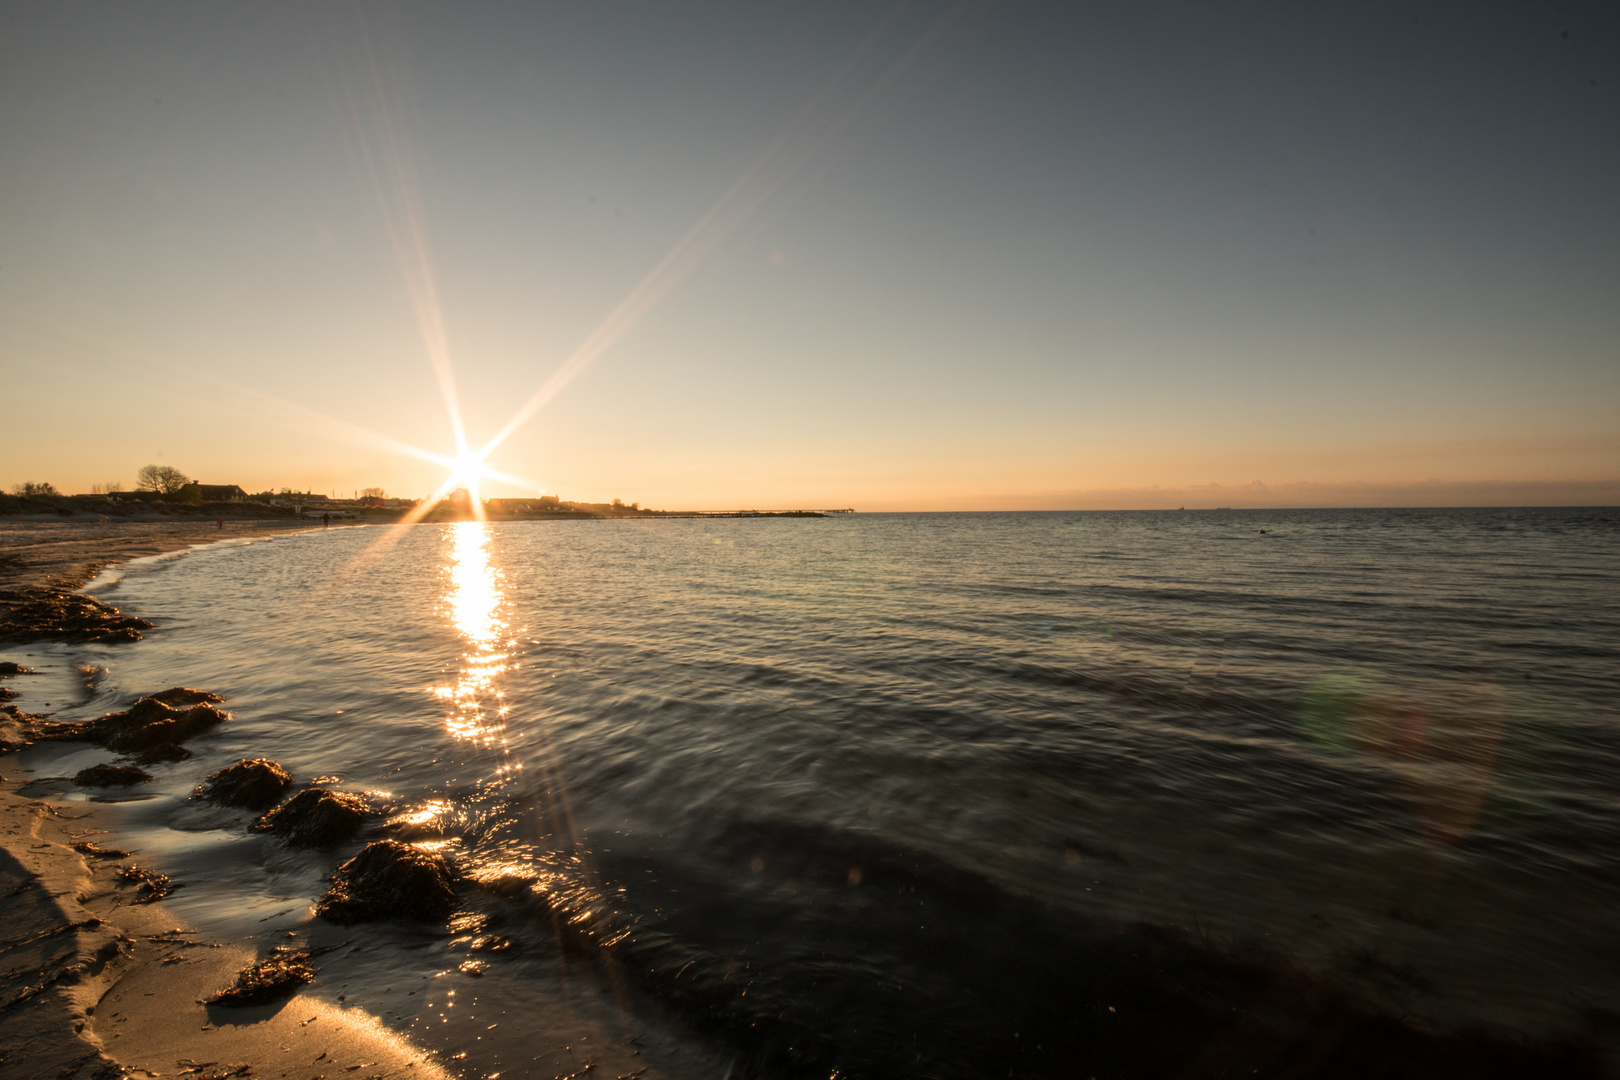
(110, 775)
(316, 817)
(254, 783)
(48, 612)
(390, 880)
(151, 729)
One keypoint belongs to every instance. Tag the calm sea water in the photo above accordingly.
(786, 793)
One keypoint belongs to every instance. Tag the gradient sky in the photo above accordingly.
(955, 256)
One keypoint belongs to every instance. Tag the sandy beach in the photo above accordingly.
(96, 982)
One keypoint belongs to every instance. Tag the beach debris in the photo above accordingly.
(96, 851)
(54, 613)
(316, 817)
(255, 783)
(390, 880)
(277, 976)
(108, 775)
(153, 885)
(9, 668)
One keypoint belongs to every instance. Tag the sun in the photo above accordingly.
(465, 472)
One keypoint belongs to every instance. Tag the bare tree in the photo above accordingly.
(163, 479)
(373, 493)
(34, 487)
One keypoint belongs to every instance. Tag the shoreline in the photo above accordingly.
(69, 554)
(95, 984)
(99, 985)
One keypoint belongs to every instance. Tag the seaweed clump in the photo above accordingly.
(49, 612)
(153, 885)
(316, 817)
(255, 783)
(151, 729)
(107, 775)
(389, 880)
(277, 976)
(152, 723)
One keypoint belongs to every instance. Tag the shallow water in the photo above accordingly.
(849, 790)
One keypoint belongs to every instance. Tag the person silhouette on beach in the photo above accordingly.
(326, 521)
(222, 522)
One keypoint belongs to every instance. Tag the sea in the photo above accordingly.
(910, 794)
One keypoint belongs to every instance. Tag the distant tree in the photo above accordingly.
(163, 479)
(373, 493)
(111, 487)
(34, 487)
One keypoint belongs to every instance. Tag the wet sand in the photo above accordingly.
(96, 985)
(69, 552)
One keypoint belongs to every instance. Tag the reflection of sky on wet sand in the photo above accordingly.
(475, 605)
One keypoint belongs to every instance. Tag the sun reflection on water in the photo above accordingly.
(476, 602)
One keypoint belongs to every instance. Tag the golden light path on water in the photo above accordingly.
(476, 603)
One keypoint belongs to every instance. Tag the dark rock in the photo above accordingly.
(150, 723)
(105, 775)
(316, 816)
(7, 693)
(141, 729)
(49, 612)
(11, 667)
(252, 782)
(150, 729)
(275, 977)
(390, 880)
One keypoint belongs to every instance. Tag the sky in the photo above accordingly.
(917, 256)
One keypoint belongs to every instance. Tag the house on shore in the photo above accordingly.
(218, 492)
